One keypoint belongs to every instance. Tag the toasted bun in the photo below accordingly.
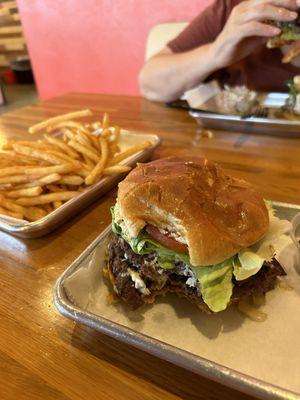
(293, 53)
(214, 214)
(275, 42)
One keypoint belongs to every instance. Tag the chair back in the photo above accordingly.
(160, 35)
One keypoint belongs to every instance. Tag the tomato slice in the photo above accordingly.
(165, 240)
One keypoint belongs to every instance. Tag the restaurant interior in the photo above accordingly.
(150, 199)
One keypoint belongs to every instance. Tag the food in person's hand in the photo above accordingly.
(182, 225)
(290, 33)
(37, 177)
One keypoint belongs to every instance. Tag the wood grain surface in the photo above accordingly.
(43, 355)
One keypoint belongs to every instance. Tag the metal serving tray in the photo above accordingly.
(270, 126)
(112, 323)
(78, 203)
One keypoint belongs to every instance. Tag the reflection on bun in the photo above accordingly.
(197, 203)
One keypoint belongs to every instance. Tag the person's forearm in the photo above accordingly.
(166, 76)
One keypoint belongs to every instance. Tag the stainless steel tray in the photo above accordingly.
(270, 126)
(186, 359)
(78, 203)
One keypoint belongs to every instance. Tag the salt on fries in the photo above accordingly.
(38, 177)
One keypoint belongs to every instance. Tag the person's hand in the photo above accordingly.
(247, 28)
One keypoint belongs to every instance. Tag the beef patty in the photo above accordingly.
(138, 279)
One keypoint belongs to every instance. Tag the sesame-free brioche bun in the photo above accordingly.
(197, 203)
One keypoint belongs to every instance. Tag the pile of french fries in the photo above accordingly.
(37, 177)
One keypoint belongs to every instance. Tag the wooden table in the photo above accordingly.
(43, 355)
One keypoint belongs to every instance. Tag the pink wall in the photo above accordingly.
(94, 45)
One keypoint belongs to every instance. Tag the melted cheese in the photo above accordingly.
(139, 284)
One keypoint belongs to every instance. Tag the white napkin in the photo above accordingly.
(203, 96)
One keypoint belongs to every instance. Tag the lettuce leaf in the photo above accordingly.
(246, 264)
(288, 33)
(216, 284)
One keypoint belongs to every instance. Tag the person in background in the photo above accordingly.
(226, 42)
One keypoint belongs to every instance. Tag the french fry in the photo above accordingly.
(96, 172)
(11, 213)
(6, 186)
(48, 208)
(95, 142)
(18, 178)
(116, 169)
(35, 153)
(84, 171)
(45, 180)
(64, 157)
(59, 118)
(113, 148)
(64, 147)
(88, 161)
(116, 134)
(129, 152)
(82, 140)
(36, 145)
(7, 146)
(55, 188)
(67, 124)
(34, 179)
(5, 164)
(46, 198)
(37, 177)
(71, 180)
(105, 121)
(60, 169)
(27, 192)
(14, 170)
(83, 150)
(34, 213)
(57, 204)
(68, 134)
(106, 133)
(10, 205)
(17, 159)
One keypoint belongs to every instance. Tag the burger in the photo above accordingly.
(182, 225)
(289, 35)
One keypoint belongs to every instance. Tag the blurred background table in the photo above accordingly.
(44, 355)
